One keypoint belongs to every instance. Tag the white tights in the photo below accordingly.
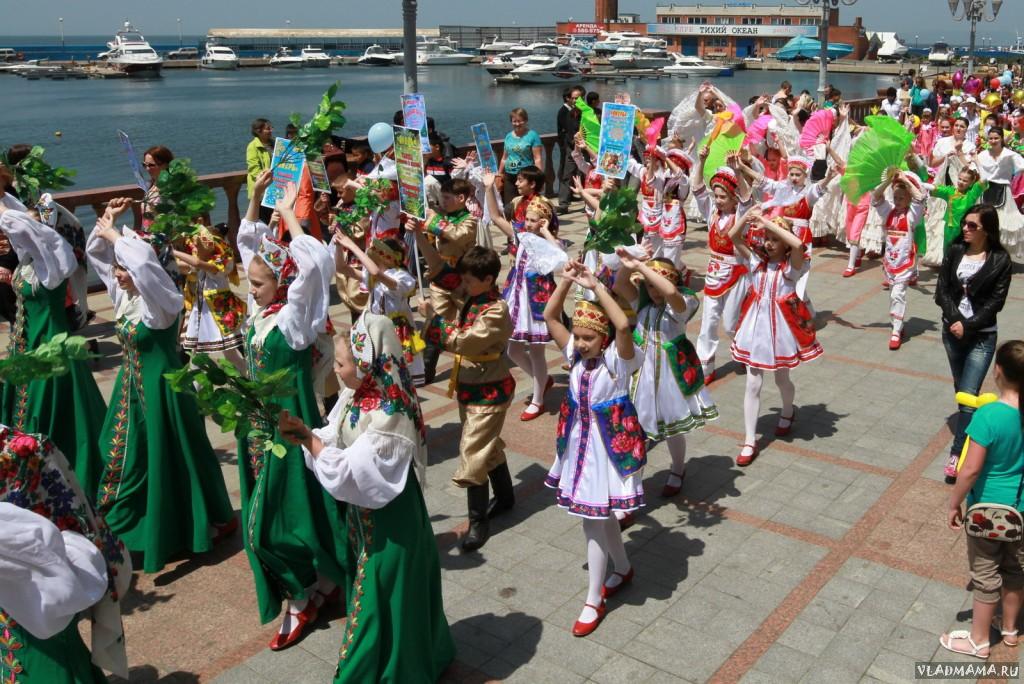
(677, 450)
(530, 357)
(316, 593)
(752, 399)
(854, 255)
(603, 539)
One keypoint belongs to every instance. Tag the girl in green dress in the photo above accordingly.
(293, 530)
(372, 455)
(162, 491)
(60, 563)
(68, 408)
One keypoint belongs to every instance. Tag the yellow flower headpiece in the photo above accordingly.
(381, 251)
(591, 316)
(664, 269)
(540, 206)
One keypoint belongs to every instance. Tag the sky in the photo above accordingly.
(929, 19)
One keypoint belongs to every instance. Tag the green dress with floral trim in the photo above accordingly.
(162, 486)
(69, 408)
(62, 659)
(293, 530)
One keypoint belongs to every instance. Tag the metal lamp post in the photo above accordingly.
(179, 32)
(826, 6)
(973, 11)
(409, 45)
(60, 22)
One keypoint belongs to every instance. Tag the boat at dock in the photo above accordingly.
(314, 58)
(439, 52)
(286, 59)
(941, 55)
(131, 53)
(549, 69)
(635, 54)
(376, 55)
(695, 66)
(496, 47)
(219, 57)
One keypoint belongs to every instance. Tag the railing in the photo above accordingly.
(233, 181)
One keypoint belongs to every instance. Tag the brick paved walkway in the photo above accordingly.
(825, 561)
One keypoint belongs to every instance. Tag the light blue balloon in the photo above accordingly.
(381, 137)
(1007, 78)
(924, 93)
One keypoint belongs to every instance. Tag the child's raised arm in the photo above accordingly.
(736, 232)
(435, 264)
(556, 306)
(259, 187)
(492, 206)
(286, 209)
(369, 264)
(796, 247)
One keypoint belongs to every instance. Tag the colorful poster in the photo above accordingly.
(414, 114)
(617, 122)
(409, 162)
(286, 165)
(141, 178)
(318, 174)
(484, 150)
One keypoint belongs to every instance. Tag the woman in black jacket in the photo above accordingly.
(973, 282)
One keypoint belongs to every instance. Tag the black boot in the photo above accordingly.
(479, 528)
(504, 494)
(431, 354)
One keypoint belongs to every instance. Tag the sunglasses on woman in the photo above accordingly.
(970, 225)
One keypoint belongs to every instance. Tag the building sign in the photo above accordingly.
(582, 29)
(731, 30)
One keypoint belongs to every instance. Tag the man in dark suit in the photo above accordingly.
(568, 125)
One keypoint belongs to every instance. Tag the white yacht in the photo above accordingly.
(892, 50)
(219, 57)
(941, 55)
(633, 54)
(439, 52)
(129, 52)
(609, 43)
(496, 46)
(286, 59)
(549, 69)
(504, 62)
(315, 58)
(692, 66)
(376, 55)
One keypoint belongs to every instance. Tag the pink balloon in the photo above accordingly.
(958, 79)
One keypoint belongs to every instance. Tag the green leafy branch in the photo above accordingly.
(34, 175)
(183, 200)
(367, 201)
(315, 133)
(235, 403)
(616, 224)
(49, 360)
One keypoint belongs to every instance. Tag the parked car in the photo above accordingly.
(184, 53)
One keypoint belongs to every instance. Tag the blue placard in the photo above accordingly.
(287, 165)
(617, 122)
(414, 115)
(484, 150)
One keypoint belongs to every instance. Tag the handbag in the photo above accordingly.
(995, 522)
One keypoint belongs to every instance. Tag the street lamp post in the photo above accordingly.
(826, 7)
(60, 22)
(973, 11)
(409, 45)
(179, 32)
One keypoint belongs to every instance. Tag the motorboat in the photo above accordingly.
(503, 63)
(549, 69)
(129, 52)
(633, 54)
(693, 66)
(219, 57)
(609, 43)
(439, 52)
(941, 55)
(286, 59)
(892, 50)
(315, 58)
(376, 55)
(496, 47)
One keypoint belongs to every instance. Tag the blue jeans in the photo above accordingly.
(969, 363)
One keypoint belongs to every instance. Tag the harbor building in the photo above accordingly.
(741, 30)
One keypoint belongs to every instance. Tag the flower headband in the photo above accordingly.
(796, 160)
(665, 270)
(540, 205)
(382, 251)
(591, 316)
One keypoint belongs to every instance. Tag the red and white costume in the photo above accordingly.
(725, 282)
(592, 180)
(765, 338)
(386, 222)
(900, 254)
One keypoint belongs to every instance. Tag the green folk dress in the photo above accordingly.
(162, 488)
(69, 409)
(396, 629)
(293, 530)
(61, 659)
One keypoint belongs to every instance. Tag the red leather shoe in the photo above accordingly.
(304, 618)
(582, 629)
(671, 490)
(626, 521)
(885, 284)
(849, 272)
(607, 592)
(225, 530)
(710, 378)
(528, 415)
(745, 460)
(783, 430)
(895, 341)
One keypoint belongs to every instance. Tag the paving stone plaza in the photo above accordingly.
(827, 560)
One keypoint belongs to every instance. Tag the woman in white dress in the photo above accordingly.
(997, 166)
(949, 156)
(776, 330)
(600, 446)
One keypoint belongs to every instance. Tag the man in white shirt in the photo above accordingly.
(891, 106)
(970, 114)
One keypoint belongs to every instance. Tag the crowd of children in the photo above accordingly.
(349, 457)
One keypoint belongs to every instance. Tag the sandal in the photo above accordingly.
(1012, 635)
(946, 641)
